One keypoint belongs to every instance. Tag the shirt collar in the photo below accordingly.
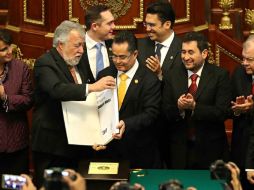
(198, 73)
(168, 41)
(90, 43)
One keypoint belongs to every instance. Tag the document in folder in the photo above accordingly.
(92, 121)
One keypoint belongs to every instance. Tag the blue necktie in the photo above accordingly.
(99, 59)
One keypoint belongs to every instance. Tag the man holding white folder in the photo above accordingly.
(138, 100)
(60, 75)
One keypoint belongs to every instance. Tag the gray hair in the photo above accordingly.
(249, 42)
(63, 30)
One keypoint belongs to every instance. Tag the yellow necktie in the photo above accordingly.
(122, 89)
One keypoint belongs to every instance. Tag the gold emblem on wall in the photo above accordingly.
(249, 19)
(118, 7)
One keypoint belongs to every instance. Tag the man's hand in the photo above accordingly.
(121, 127)
(242, 105)
(235, 175)
(78, 183)
(186, 102)
(98, 147)
(250, 176)
(153, 63)
(107, 82)
(29, 184)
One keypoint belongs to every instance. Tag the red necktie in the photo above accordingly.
(193, 87)
(253, 88)
(73, 74)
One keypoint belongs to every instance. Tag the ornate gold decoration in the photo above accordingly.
(18, 55)
(201, 27)
(118, 8)
(210, 54)
(12, 28)
(74, 19)
(249, 19)
(187, 17)
(33, 21)
(49, 35)
(219, 49)
(225, 20)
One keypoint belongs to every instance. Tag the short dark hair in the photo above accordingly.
(164, 10)
(93, 14)
(126, 36)
(5, 36)
(201, 40)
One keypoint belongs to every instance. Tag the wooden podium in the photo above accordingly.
(98, 173)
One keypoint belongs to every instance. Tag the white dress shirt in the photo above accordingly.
(91, 53)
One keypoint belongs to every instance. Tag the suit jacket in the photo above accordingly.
(146, 49)
(212, 104)
(53, 84)
(86, 60)
(242, 125)
(139, 111)
(14, 131)
(250, 150)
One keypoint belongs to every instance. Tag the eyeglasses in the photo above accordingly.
(147, 24)
(248, 59)
(121, 57)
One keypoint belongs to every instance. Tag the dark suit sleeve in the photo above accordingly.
(169, 107)
(52, 80)
(250, 150)
(148, 105)
(214, 104)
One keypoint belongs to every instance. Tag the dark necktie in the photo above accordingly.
(193, 87)
(73, 74)
(99, 59)
(158, 50)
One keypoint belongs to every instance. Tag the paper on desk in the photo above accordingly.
(92, 121)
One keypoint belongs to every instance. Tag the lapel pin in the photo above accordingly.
(136, 81)
(171, 57)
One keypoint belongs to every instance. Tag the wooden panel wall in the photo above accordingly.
(33, 22)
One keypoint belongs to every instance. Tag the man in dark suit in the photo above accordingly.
(159, 21)
(138, 108)
(99, 23)
(242, 107)
(196, 100)
(60, 75)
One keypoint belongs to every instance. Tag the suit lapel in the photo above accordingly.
(133, 87)
(171, 55)
(61, 64)
(206, 75)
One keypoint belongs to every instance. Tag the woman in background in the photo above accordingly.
(15, 101)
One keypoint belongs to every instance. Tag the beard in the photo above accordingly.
(73, 62)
